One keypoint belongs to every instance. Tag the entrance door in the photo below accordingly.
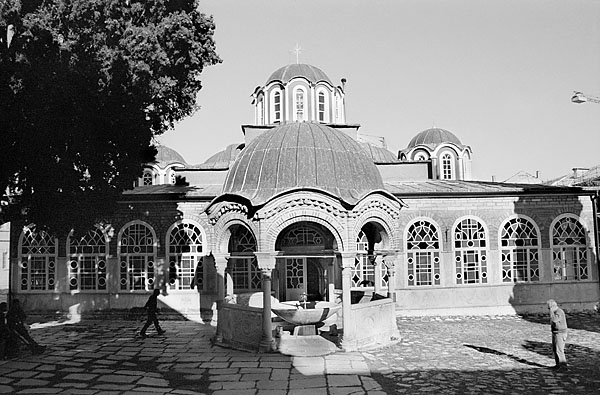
(295, 278)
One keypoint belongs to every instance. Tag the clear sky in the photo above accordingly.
(499, 74)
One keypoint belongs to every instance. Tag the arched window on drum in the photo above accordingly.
(185, 256)
(423, 254)
(87, 261)
(520, 251)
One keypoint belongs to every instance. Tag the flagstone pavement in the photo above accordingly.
(437, 355)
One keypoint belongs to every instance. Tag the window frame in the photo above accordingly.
(433, 255)
(183, 276)
(130, 266)
(562, 270)
(530, 250)
(37, 252)
(463, 256)
(99, 255)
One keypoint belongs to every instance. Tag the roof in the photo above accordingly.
(522, 177)
(170, 191)
(430, 188)
(286, 73)
(302, 155)
(579, 177)
(434, 137)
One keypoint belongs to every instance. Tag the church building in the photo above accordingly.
(305, 207)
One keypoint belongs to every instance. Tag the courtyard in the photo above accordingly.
(438, 355)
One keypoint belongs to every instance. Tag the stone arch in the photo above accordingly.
(222, 231)
(273, 231)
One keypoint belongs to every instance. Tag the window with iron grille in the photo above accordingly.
(38, 252)
(137, 257)
(423, 254)
(569, 250)
(520, 251)
(470, 252)
(87, 261)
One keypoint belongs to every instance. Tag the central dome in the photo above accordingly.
(302, 155)
(286, 73)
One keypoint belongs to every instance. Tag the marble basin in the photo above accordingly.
(300, 313)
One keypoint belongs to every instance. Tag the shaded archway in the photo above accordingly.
(305, 265)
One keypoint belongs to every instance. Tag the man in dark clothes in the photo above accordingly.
(558, 325)
(15, 320)
(4, 332)
(151, 308)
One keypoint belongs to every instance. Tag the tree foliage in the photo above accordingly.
(85, 85)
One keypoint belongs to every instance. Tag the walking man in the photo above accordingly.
(558, 325)
(151, 310)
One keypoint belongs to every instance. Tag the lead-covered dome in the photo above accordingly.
(286, 73)
(302, 155)
(434, 137)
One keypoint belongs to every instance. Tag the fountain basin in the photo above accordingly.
(295, 313)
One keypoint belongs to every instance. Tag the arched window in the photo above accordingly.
(244, 269)
(37, 257)
(185, 256)
(423, 254)
(87, 261)
(276, 107)
(299, 98)
(470, 252)
(569, 250)
(321, 107)
(520, 251)
(147, 177)
(137, 254)
(363, 274)
(447, 166)
(260, 108)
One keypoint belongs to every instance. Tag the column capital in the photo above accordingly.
(266, 260)
(348, 258)
(221, 261)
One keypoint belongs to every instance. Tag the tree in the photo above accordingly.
(85, 85)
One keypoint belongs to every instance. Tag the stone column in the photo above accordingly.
(348, 259)
(266, 263)
(390, 263)
(377, 267)
(220, 266)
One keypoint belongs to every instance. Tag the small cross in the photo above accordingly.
(297, 51)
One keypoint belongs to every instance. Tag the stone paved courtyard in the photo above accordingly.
(437, 355)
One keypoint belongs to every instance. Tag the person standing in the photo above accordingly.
(151, 309)
(558, 325)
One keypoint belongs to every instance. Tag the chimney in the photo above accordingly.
(493, 178)
(537, 174)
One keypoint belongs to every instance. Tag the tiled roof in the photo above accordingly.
(170, 191)
(460, 188)
(302, 155)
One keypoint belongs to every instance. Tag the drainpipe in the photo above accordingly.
(595, 200)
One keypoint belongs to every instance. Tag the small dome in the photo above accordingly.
(434, 137)
(167, 156)
(286, 73)
(225, 157)
(302, 155)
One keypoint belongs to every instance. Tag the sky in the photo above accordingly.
(499, 74)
